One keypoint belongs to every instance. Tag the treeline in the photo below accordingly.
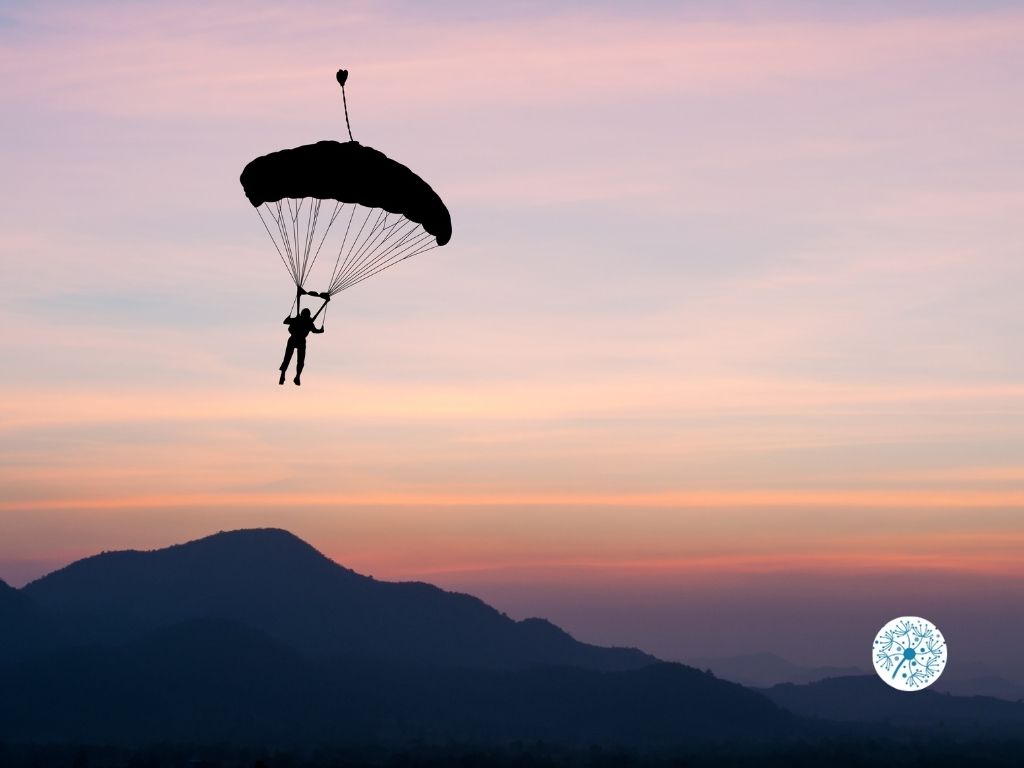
(862, 753)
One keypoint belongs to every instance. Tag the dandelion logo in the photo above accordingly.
(909, 653)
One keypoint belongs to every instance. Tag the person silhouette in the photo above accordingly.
(299, 327)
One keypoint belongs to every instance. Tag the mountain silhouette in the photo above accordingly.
(762, 670)
(270, 580)
(865, 699)
(191, 681)
(974, 678)
(983, 685)
(254, 637)
(23, 628)
(9, 598)
(216, 681)
(14, 614)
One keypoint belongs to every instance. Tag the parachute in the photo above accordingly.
(347, 200)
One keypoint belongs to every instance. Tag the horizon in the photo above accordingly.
(722, 357)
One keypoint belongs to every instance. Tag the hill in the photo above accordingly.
(864, 699)
(254, 637)
(762, 670)
(274, 582)
(213, 682)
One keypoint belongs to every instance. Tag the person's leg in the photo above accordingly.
(288, 354)
(300, 361)
(287, 358)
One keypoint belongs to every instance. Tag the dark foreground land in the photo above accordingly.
(938, 753)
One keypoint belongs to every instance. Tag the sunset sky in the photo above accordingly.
(724, 354)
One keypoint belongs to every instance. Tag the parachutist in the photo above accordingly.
(385, 214)
(299, 327)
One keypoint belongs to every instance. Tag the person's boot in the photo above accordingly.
(281, 380)
(297, 382)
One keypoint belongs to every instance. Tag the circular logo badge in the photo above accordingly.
(909, 653)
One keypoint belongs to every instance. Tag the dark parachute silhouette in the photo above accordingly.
(367, 211)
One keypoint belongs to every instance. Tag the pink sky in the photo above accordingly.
(732, 300)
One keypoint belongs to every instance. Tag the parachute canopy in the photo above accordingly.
(350, 173)
(385, 212)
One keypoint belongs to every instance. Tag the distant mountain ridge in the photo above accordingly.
(273, 581)
(864, 699)
(982, 685)
(762, 670)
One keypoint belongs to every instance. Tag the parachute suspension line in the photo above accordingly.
(303, 252)
(288, 234)
(294, 242)
(382, 248)
(291, 244)
(388, 265)
(282, 228)
(342, 247)
(310, 221)
(416, 245)
(358, 247)
(405, 233)
(380, 226)
(299, 250)
(398, 253)
(294, 216)
(334, 215)
(355, 242)
(379, 249)
(274, 240)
